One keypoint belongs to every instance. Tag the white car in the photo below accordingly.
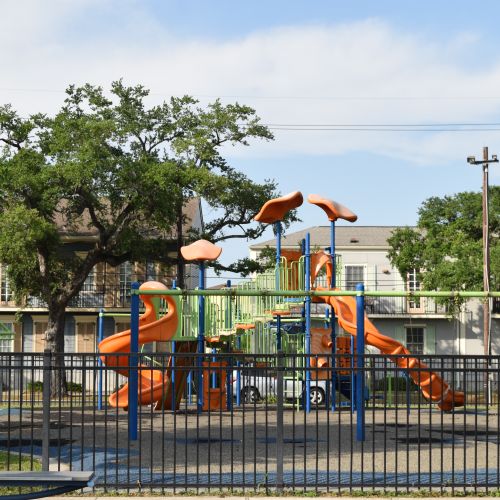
(258, 383)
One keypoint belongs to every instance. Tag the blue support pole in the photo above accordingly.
(133, 380)
(201, 335)
(308, 323)
(174, 346)
(360, 358)
(277, 226)
(229, 312)
(100, 337)
(333, 334)
(238, 373)
(189, 387)
(353, 377)
(277, 229)
(214, 373)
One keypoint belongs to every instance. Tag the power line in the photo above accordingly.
(290, 98)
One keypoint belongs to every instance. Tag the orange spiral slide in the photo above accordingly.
(154, 385)
(432, 386)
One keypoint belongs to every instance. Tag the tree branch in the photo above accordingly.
(11, 142)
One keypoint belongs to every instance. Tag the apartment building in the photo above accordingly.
(22, 326)
(423, 325)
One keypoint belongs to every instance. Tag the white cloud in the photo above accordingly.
(362, 72)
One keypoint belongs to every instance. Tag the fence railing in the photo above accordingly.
(248, 428)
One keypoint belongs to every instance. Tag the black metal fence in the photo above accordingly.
(249, 429)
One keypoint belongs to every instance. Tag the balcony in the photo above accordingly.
(393, 306)
(93, 297)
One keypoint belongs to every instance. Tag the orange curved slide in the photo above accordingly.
(153, 384)
(432, 386)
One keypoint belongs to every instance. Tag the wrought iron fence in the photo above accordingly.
(248, 426)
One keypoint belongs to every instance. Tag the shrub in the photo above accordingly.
(35, 386)
(38, 386)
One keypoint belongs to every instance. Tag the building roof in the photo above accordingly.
(83, 227)
(345, 236)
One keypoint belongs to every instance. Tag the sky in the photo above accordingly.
(331, 64)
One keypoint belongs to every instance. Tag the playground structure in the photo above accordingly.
(249, 319)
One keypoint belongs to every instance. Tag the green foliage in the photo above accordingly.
(108, 166)
(396, 384)
(446, 246)
(38, 386)
(35, 386)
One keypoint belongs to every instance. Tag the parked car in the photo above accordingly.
(257, 383)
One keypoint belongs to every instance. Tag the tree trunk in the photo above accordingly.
(54, 336)
(180, 242)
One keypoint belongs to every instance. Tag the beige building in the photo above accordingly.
(22, 329)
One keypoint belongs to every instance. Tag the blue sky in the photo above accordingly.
(323, 62)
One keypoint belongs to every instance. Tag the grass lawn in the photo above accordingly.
(14, 462)
(14, 465)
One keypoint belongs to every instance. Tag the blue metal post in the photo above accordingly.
(308, 323)
(190, 389)
(214, 373)
(360, 358)
(277, 229)
(229, 312)
(100, 337)
(133, 380)
(333, 334)
(201, 334)
(238, 373)
(172, 385)
(229, 371)
(353, 377)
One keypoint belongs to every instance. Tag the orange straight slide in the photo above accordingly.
(154, 385)
(432, 386)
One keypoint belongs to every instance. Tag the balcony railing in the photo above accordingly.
(402, 305)
(93, 296)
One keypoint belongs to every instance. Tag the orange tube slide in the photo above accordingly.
(153, 384)
(432, 386)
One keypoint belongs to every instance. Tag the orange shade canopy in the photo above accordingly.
(332, 209)
(201, 250)
(275, 210)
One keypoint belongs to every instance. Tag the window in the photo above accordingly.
(353, 276)
(6, 337)
(125, 282)
(413, 285)
(5, 289)
(151, 273)
(415, 339)
(89, 283)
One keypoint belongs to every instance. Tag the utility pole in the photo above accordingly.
(486, 257)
